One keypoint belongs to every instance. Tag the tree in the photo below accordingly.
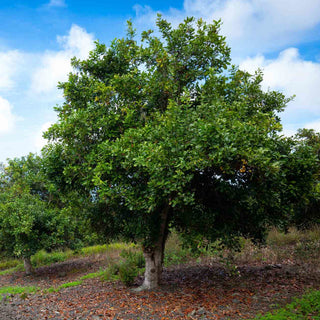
(31, 217)
(304, 172)
(166, 134)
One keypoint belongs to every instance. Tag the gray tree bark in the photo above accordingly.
(28, 266)
(154, 256)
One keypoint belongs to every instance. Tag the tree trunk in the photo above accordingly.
(28, 266)
(154, 255)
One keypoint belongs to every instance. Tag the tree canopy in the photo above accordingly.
(163, 132)
(31, 216)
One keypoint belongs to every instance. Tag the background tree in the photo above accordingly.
(304, 173)
(163, 134)
(31, 216)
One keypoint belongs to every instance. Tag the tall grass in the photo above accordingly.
(43, 257)
(293, 236)
(106, 248)
(9, 263)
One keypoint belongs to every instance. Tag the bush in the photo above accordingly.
(136, 258)
(307, 307)
(127, 272)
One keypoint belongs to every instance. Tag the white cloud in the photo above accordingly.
(55, 65)
(77, 42)
(313, 125)
(7, 119)
(39, 140)
(250, 25)
(292, 75)
(57, 3)
(9, 65)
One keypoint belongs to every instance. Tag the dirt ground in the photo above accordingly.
(190, 291)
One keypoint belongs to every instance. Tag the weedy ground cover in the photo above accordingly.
(307, 307)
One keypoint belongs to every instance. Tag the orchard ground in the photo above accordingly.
(211, 284)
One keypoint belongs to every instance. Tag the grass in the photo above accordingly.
(42, 257)
(19, 267)
(16, 290)
(10, 263)
(307, 307)
(106, 248)
(93, 275)
(63, 286)
(293, 236)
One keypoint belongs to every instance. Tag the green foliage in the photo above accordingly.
(131, 264)
(307, 307)
(135, 258)
(176, 252)
(127, 272)
(307, 212)
(160, 131)
(32, 216)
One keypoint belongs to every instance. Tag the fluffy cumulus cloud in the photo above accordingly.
(292, 75)
(7, 119)
(250, 25)
(54, 66)
(259, 25)
(9, 65)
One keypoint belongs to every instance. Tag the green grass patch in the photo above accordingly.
(8, 271)
(106, 248)
(93, 275)
(63, 286)
(17, 290)
(19, 267)
(307, 307)
(42, 257)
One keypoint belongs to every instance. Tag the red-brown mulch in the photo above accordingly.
(187, 292)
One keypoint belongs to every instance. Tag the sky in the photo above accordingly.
(39, 37)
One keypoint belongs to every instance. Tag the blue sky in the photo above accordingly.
(38, 38)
